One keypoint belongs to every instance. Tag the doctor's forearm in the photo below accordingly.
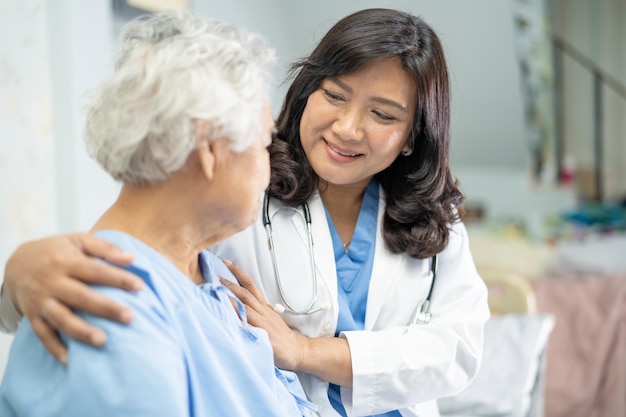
(329, 359)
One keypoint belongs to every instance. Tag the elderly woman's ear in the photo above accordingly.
(206, 152)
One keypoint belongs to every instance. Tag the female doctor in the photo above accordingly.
(359, 268)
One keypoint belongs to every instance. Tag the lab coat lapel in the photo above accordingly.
(384, 271)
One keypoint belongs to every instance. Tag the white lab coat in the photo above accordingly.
(395, 365)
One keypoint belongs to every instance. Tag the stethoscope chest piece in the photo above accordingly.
(422, 314)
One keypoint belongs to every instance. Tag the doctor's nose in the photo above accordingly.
(348, 125)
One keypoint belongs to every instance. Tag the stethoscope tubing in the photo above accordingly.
(422, 314)
(286, 306)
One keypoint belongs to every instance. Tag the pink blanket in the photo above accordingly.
(586, 362)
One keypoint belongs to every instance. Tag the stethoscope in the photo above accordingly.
(422, 314)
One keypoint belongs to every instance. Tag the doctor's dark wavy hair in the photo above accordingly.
(421, 195)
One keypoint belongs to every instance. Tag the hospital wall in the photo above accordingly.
(51, 52)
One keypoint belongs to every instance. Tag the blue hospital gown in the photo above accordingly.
(185, 353)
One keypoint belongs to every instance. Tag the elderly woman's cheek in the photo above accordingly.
(265, 168)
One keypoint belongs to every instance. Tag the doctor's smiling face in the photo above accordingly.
(355, 125)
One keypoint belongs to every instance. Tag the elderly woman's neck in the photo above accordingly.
(161, 219)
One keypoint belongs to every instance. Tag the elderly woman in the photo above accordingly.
(183, 123)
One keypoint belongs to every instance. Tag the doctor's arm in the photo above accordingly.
(396, 364)
(415, 363)
(328, 358)
(51, 276)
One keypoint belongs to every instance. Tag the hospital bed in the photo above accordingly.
(510, 382)
(559, 310)
(584, 287)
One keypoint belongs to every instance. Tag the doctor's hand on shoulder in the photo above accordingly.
(328, 358)
(45, 279)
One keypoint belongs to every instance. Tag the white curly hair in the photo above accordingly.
(173, 70)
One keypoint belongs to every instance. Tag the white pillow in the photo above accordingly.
(514, 345)
(599, 256)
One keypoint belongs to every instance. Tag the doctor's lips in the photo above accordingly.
(341, 152)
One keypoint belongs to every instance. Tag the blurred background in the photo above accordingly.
(538, 117)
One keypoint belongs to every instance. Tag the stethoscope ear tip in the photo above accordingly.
(325, 306)
(279, 308)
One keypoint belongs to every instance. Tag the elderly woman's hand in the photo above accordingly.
(47, 278)
(289, 346)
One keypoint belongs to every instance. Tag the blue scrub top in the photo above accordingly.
(186, 353)
(354, 270)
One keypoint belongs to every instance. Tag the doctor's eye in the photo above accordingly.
(383, 116)
(332, 96)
